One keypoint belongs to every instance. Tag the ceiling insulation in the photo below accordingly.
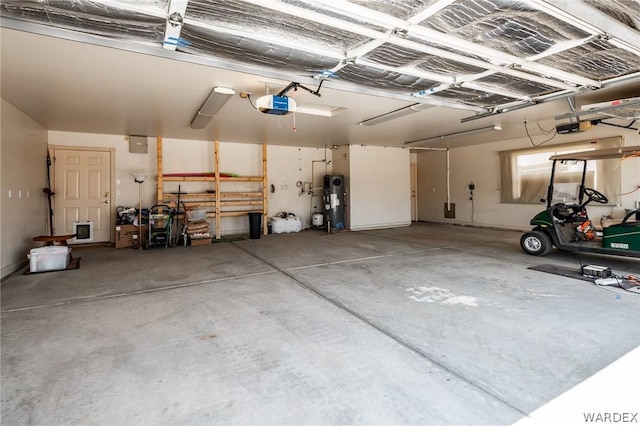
(484, 55)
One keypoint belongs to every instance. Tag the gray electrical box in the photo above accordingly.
(138, 144)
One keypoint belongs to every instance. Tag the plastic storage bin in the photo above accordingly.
(280, 225)
(195, 215)
(51, 258)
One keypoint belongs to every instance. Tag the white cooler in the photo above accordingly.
(50, 258)
(280, 225)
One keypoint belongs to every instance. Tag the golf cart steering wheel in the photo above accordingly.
(595, 196)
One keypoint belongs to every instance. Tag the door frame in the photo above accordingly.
(414, 185)
(112, 172)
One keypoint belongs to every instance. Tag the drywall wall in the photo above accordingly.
(285, 167)
(480, 164)
(380, 197)
(295, 180)
(126, 164)
(24, 209)
(289, 175)
(379, 187)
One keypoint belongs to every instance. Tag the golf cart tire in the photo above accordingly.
(536, 243)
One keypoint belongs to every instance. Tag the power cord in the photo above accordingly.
(250, 101)
(472, 186)
(616, 287)
(526, 129)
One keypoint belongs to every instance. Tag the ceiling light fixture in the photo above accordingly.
(495, 127)
(217, 99)
(321, 110)
(401, 112)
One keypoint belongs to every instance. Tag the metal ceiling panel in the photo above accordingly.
(488, 53)
(399, 56)
(243, 50)
(402, 9)
(627, 12)
(598, 60)
(473, 97)
(511, 27)
(240, 15)
(518, 85)
(384, 80)
(92, 17)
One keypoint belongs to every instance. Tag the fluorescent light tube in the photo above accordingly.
(200, 121)
(455, 134)
(388, 116)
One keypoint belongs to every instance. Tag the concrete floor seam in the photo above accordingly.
(389, 335)
(136, 292)
(358, 259)
(454, 246)
(372, 234)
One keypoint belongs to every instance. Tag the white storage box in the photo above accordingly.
(50, 258)
(289, 224)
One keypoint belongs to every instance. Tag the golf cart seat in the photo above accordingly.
(630, 219)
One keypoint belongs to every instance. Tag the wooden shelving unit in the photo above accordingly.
(220, 203)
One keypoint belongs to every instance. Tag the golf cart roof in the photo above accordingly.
(600, 154)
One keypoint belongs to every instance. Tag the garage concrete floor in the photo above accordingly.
(429, 324)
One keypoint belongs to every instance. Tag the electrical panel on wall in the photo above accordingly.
(138, 145)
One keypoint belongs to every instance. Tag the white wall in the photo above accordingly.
(379, 187)
(377, 178)
(24, 215)
(125, 164)
(191, 156)
(480, 164)
(285, 167)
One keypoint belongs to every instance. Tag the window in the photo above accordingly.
(524, 174)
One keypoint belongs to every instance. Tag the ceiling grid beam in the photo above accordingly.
(175, 19)
(507, 60)
(389, 37)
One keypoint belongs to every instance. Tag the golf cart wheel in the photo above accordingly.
(536, 243)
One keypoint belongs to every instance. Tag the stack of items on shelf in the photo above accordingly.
(198, 227)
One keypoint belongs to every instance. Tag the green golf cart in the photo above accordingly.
(565, 223)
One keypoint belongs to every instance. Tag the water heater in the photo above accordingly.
(333, 200)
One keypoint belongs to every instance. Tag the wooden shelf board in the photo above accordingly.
(242, 213)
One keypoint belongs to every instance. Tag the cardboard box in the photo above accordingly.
(199, 241)
(128, 236)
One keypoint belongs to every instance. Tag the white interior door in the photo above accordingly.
(414, 192)
(82, 190)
